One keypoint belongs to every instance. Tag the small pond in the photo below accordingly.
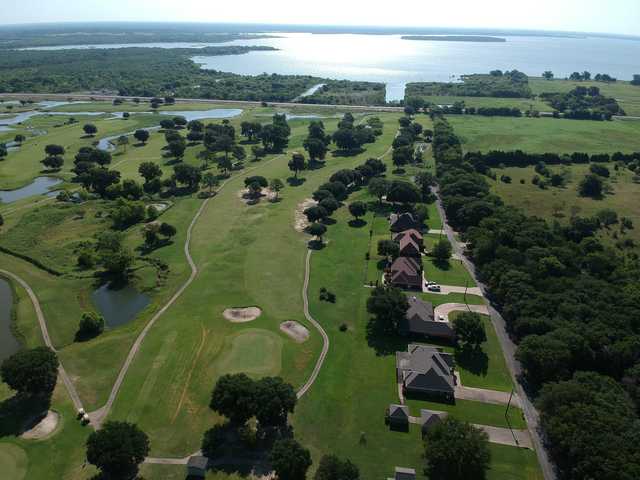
(39, 186)
(119, 305)
(8, 342)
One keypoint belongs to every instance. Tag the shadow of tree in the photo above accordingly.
(21, 413)
(295, 182)
(359, 223)
(383, 342)
(473, 360)
(316, 245)
(442, 264)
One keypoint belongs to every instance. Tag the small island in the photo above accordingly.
(455, 38)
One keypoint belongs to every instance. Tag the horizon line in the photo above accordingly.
(497, 30)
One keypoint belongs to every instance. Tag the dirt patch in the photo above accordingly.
(301, 223)
(42, 427)
(242, 315)
(249, 199)
(296, 331)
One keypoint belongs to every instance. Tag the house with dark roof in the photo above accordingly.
(402, 222)
(420, 321)
(409, 248)
(412, 233)
(431, 418)
(398, 416)
(404, 474)
(426, 370)
(406, 272)
(197, 466)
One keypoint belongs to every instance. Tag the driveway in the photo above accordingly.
(505, 436)
(446, 308)
(447, 289)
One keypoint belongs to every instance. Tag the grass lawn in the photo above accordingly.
(512, 463)
(560, 203)
(451, 273)
(541, 135)
(486, 368)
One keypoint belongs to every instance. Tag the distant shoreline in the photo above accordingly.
(454, 38)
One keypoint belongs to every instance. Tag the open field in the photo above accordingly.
(627, 95)
(541, 135)
(246, 255)
(560, 202)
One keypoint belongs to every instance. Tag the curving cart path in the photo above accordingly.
(75, 398)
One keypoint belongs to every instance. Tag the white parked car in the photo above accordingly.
(434, 288)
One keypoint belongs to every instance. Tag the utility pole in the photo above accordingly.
(506, 416)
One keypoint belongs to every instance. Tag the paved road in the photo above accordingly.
(508, 349)
(84, 97)
(75, 398)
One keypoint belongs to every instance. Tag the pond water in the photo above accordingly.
(119, 306)
(39, 186)
(8, 342)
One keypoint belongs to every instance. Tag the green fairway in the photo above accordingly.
(254, 352)
(14, 461)
(541, 135)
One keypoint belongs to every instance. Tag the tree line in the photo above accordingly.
(518, 158)
(571, 304)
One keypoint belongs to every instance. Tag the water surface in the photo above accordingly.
(8, 342)
(119, 306)
(395, 62)
(39, 186)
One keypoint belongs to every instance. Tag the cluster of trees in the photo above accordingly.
(32, 372)
(275, 136)
(552, 284)
(350, 138)
(518, 158)
(404, 151)
(511, 84)
(586, 76)
(91, 325)
(145, 72)
(584, 103)
(54, 159)
(347, 92)
(331, 194)
(317, 142)
(459, 108)
(109, 252)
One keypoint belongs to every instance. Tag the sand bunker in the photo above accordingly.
(296, 331)
(301, 222)
(42, 427)
(242, 315)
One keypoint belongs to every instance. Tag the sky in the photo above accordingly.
(607, 16)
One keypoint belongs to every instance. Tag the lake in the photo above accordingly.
(119, 305)
(39, 186)
(391, 60)
(8, 343)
